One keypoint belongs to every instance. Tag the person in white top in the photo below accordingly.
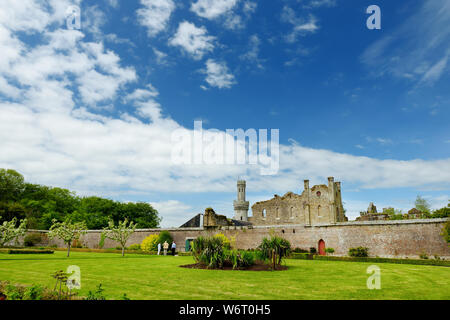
(174, 247)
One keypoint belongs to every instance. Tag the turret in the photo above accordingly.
(240, 205)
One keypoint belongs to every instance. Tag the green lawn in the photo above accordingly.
(159, 277)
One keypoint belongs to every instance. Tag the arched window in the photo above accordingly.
(264, 213)
(278, 213)
(291, 214)
(318, 210)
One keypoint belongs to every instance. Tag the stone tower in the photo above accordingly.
(240, 205)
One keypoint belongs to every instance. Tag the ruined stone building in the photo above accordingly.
(372, 214)
(316, 205)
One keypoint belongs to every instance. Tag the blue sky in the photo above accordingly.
(93, 109)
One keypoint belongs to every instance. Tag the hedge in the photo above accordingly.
(25, 251)
(429, 262)
(104, 250)
(305, 256)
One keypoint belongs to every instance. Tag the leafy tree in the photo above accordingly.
(394, 214)
(165, 236)
(9, 210)
(442, 213)
(9, 231)
(67, 231)
(121, 233)
(12, 185)
(40, 205)
(391, 211)
(422, 204)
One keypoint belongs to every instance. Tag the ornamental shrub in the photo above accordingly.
(358, 252)
(165, 236)
(225, 241)
(209, 251)
(329, 250)
(32, 239)
(150, 243)
(300, 250)
(274, 249)
(423, 255)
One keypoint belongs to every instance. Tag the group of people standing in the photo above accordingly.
(165, 247)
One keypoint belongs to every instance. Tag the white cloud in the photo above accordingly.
(211, 9)
(228, 12)
(417, 50)
(113, 3)
(435, 72)
(249, 7)
(193, 40)
(173, 212)
(161, 57)
(155, 15)
(320, 3)
(218, 75)
(52, 134)
(301, 26)
(252, 54)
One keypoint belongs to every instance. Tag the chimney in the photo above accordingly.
(306, 183)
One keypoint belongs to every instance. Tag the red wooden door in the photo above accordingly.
(322, 247)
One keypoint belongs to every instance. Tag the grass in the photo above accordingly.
(159, 277)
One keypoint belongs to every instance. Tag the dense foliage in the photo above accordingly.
(165, 236)
(9, 231)
(215, 252)
(32, 239)
(150, 243)
(360, 252)
(274, 249)
(421, 205)
(41, 204)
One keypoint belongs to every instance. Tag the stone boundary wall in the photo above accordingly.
(398, 238)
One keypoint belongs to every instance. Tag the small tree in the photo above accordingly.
(274, 249)
(422, 204)
(67, 231)
(9, 232)
(121, 233)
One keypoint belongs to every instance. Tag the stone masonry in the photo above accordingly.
(400, 238)
(319, 204)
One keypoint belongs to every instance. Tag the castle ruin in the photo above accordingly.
(321, 204)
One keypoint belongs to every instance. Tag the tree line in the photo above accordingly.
(423, 208)
(41, 205)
